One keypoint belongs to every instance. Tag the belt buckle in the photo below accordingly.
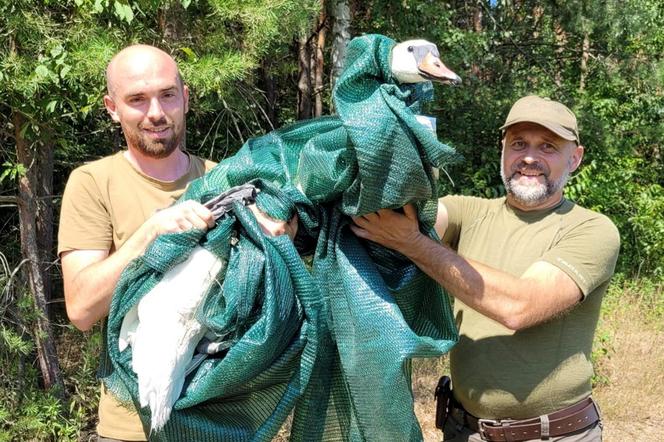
(489, 423)
(492, 423)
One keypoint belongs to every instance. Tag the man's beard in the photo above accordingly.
(532, 194)
(154, 148)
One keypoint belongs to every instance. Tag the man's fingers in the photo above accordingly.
(193, 215)
(185, 216)
(274, 227)
(205, 215)
(410, 211)
(183, 224)
(360, 221)
(359, 232)
(196, 222)
(374, 216)
(292, 226)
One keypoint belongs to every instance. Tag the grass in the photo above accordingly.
(630, 365)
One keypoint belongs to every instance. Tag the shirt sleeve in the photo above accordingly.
(587, 253)
(85, 223)
(453, 205)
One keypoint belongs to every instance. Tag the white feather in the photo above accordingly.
(403, 64)
(168, 332)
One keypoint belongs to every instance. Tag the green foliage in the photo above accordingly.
(52, 63)
(27, 412)
(42, 418)
(512, 49)
(11, 171)
(14, 343)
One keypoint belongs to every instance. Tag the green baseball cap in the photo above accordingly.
(551, 114)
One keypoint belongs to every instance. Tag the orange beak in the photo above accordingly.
(433, 69)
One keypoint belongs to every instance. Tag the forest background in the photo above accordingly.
(255, 65)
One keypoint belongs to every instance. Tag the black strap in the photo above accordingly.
(443, 395)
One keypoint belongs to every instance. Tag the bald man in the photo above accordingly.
(111, 208)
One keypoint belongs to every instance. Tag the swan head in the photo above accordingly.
(416, 61)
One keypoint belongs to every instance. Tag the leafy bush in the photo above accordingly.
(27, 412)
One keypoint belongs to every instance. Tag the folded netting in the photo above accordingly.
(330, 340)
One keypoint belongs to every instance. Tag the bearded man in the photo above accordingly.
(112, 208)
(528, 272)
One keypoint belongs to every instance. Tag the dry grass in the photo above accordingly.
(632, 373)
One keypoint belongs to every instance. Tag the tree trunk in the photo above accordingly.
(477, 27)
(538, 14)
(169, 23)
(319, 62)
(341, 19)
(561, 41)
(477, 18)
(28, 213)
(270, 93)
(44, 220)
(304, 81)
(585, 53)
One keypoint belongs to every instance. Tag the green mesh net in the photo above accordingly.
(331, 341)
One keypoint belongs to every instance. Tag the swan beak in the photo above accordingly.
(433, 69)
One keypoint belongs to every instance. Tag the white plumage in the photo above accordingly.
(416, 61)
(163, 331)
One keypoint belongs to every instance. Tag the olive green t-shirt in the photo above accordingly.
(499, 373)
(104, 203)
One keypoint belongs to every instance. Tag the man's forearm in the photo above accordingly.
(493, 293)
(92, 290)
(89, 292)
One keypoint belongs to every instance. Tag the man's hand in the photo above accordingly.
(90, 276)
(180, 218)
(389, 228)
(273, 227)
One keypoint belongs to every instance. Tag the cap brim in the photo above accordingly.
(557, 129)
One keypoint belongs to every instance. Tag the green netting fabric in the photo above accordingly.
(334, 341)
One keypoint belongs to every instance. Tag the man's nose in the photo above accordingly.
(155, 111)
(530, 154)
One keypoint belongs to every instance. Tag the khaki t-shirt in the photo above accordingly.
(104, 202)
(499, 373)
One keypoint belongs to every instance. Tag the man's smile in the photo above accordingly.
(156, 132)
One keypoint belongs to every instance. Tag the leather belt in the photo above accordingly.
(568, 420)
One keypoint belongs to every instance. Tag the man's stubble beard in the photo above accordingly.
(534, 194)
(157, 149)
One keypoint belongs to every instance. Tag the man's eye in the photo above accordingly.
(136, 100)
(547, 147)
(518, 145)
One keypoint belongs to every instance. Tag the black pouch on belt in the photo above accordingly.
(443, 394)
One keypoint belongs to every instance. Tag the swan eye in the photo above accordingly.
(410, 49)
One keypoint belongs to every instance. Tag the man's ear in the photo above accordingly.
(577, 156)
(110, 108)
(185, 93)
